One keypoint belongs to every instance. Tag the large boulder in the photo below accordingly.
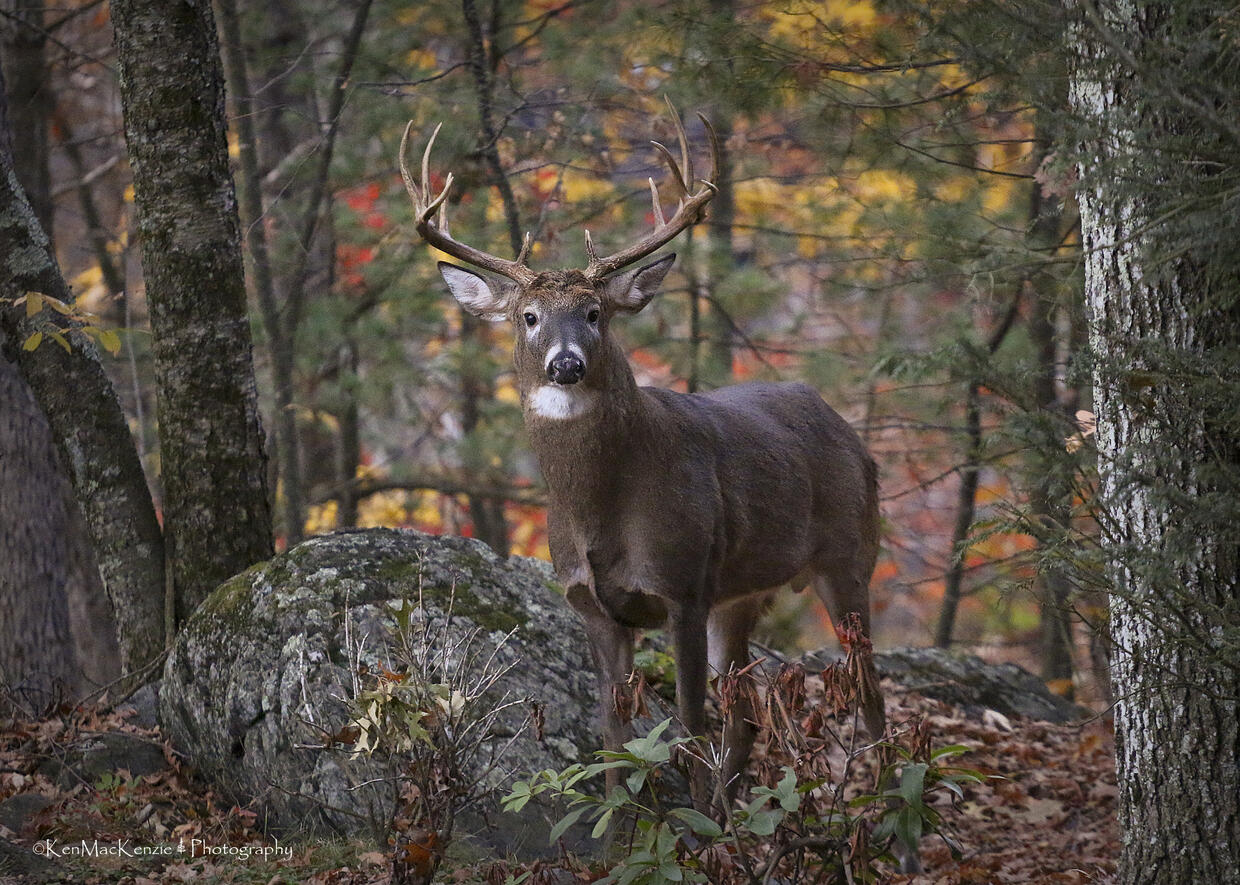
(265, 668)
(966, 681)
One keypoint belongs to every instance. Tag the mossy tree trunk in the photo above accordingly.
(217, 519)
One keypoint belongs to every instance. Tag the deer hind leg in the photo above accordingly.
(844, 590)
(687, 623)
(728, 630)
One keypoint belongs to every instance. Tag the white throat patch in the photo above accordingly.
(561, 403)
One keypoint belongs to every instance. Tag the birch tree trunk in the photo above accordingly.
(1164, 329)
(217, 520)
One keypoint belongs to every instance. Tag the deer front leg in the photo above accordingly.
(611, 647)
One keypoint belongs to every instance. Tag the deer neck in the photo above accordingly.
(584, 434)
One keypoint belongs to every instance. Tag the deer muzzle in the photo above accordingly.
(566, 368)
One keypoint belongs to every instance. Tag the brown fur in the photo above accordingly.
(687, 509)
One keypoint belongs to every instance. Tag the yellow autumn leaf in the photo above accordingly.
(581, 187)
(88, 278)
(421, 58)
(883, 185)
(321, 518)
(33, 341)
(427, 512)
(507, 393)
(34, 303)
(109, 341)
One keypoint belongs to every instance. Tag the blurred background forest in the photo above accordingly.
(892, 227)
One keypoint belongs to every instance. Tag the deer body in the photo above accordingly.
(688, 510)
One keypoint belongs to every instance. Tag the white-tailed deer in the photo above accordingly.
(668, 508)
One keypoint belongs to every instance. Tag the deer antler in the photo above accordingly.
(688, 209)
(431, 216)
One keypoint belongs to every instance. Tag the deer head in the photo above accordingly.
(561, 318)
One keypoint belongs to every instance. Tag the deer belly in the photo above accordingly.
(634, 609)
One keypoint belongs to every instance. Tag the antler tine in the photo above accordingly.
(714, 151)
(682, 185)
(686, 161)
(426, 158)
(404, 165)
(654, 204)
(688, 210)
(431, 219)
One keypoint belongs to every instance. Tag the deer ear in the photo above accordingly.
(630, 291)
(474, 293)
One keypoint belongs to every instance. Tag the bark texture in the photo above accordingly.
(217, 519)
(59, 640)
(1158, 318)
(87, 423)
(30, 102)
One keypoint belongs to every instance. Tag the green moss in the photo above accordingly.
(466, 603)
(398, 571)
(232, 597)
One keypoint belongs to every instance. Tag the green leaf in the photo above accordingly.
(764, 823)
(517, 797)
(908, 827)
(786, 790)
(755, 805)
(650, 749)
(913, 784)
(671, 872)
(596, 768)
(953, 750)
(567, 821)
(636, 780)
(864, 799)
(697, 822)
(951, 784)
(601, 826)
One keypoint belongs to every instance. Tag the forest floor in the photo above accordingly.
(1046, 816)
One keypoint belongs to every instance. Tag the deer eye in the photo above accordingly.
(592, 316)
(531, 320)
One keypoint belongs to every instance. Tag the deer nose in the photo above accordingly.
(566, 368)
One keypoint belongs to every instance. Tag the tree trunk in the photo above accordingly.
(60, 635)
(217, 519)
(1164, 326)
(287, 450)
(966, 507)
(1050, 496)
(87, 424)
(30, 104)
(481, 56)
(966, 497)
